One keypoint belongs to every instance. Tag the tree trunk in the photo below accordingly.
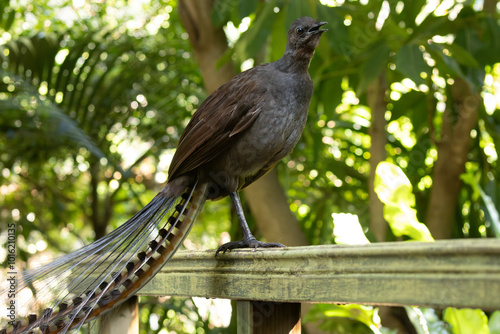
(209, 42)
(269, 206)
(377, 104)
(98, 223)
(273, 217)
(490, 6)
(453, 147)
(378, 135)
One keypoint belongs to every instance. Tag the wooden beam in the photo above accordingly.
(458, 273)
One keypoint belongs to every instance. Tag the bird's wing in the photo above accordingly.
(226, 113)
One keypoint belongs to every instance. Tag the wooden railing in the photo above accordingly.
(270, 284)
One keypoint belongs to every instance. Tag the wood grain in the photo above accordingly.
(459, 273)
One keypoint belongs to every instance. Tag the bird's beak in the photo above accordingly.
(315, 29)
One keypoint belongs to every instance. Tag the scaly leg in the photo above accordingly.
(248, 240)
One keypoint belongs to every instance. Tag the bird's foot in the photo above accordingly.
(250, 243)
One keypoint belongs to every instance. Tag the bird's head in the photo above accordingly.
(304, 35)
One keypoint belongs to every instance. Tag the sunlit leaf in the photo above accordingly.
(465, 321)
(329, 315)
(494, 323)
(395, 190)
(347, 230)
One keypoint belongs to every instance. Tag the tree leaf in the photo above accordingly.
(395, 190)
(338, 32)
(489, 205)
(331, 94)
(461, 55)
(222, 10)
(445, 63)
(465, 321)
(410, 62)
(494, 323)
(330, 315)
(296, 9)
(370, 70)
(347, 230)
(45, 127)
(252, 40)
(247, 7)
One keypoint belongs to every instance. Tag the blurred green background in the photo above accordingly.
(95, 94)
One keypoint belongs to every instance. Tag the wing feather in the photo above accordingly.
(226, 113)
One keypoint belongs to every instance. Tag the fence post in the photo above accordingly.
(260, 317)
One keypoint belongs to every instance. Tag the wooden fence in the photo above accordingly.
(270, 284)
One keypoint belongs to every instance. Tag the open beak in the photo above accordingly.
(315, 29)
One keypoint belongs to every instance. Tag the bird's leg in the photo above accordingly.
(248, 240)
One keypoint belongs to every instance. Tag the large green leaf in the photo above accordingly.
(247, 7)
(347, 230)
(331, 94)
(461, 55)
(222, 10)
(338, 33)
(378, 58)
(7, 17)
(30, 124)
(253, 40)
(466, 321)
(410, 61)
(494, 323)
(395, 190)
(446, 64)
(329, 316)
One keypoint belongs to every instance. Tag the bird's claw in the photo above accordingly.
(252, 243)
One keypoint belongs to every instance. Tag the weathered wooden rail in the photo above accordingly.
(270, 284)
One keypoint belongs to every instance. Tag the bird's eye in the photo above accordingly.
(299, 30)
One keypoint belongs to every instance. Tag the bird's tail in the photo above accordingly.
(100, 276)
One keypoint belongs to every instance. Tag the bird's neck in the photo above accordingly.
(295, 61)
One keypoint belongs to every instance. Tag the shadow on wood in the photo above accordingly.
(259, 317)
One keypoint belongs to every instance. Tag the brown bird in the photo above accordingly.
(237, 135)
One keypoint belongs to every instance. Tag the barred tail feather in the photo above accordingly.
(100, 276)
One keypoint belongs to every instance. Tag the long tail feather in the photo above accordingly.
(100, 276)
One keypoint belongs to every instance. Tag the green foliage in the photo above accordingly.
(89, 99)
(420, 53)
(466, 321)
(179, 315)
(91, 108)
(494, 323)
(489, 206)
(395, 191)
(344, 318)
(36, 125)
(425, 321)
